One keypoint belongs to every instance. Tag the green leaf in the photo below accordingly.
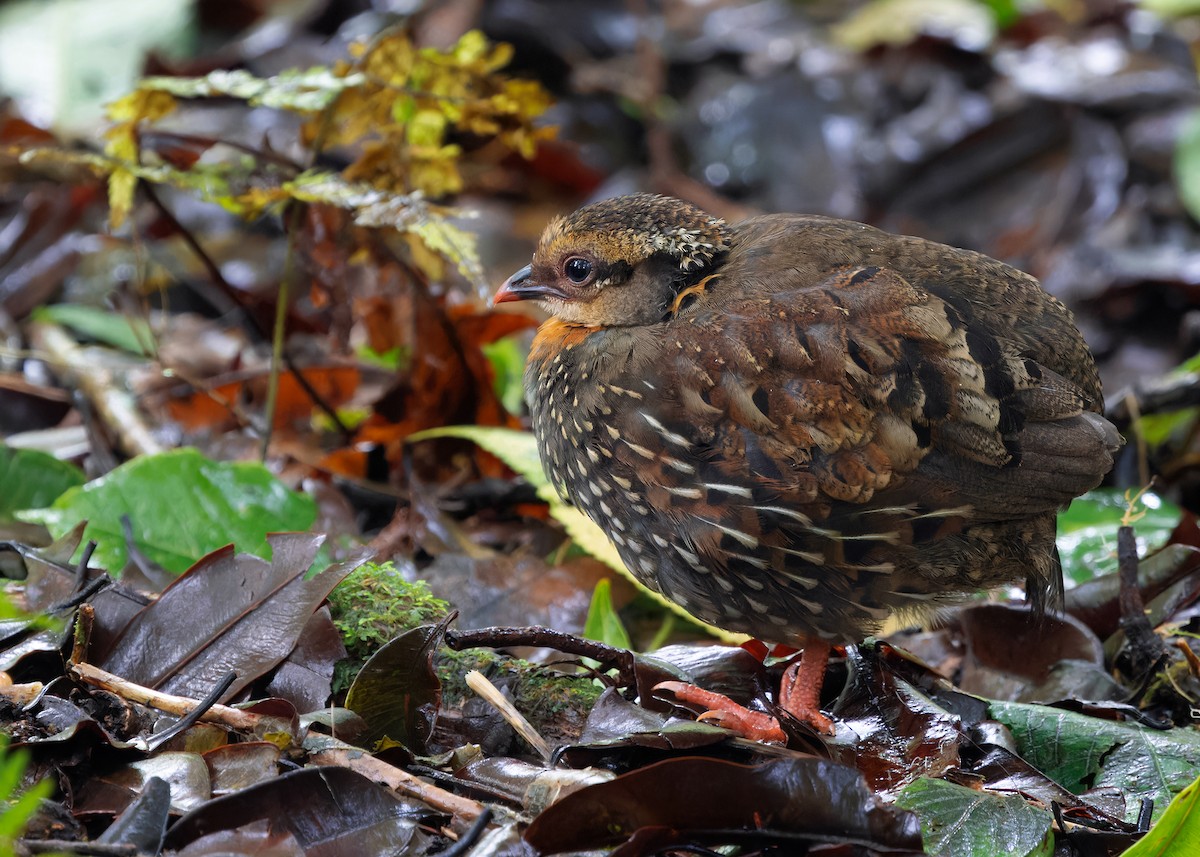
(1177, 833)
(508, 368)
(16, 812)
(603, 624)
(31, 479)
(1172, 8)
(1087, 531)
(182, 506)
(1158, 429)
(112, 328)
(1081, 752)
(967, 23)
(963, 822)
(1187, 165)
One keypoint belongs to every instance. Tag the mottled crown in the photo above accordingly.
(635, 227)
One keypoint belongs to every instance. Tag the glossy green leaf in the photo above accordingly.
(30, 479)
(1172, 8)
(508, 369)
(1157, 429)
(963, 822)
(1187, 165)
(182, 506)
(1177, 833)
(1087, 531)
(1080, 752)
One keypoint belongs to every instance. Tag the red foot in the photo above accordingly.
(723, 711)
(799, 696)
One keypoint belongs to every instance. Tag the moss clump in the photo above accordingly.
(373, 605)
(555, 703)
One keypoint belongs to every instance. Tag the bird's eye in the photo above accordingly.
(578, 269)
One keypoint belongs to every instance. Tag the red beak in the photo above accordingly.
(518, 287)
(514, 287)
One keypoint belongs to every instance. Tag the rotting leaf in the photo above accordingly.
(228, 613)
(1011, 654)
(619, 733)
(899, 734)
(233, 767)
(211, 409)
(397, 691)
(305, 679)
(404, 212)
(144, 822)
(329, 811)
(182, 506)
(712, 802)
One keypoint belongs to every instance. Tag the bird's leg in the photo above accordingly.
(800, 689)
(799, 696)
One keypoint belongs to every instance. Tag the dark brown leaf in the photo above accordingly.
(712, 802)
(227, 613)
(331, 812)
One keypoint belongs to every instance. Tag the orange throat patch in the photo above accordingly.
(554, 336)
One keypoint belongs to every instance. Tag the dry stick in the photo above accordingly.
(1145, 646)
(116, 407)
(479, 683)
(70, 846)
(464, 810)
(226, 290)
(234, 718)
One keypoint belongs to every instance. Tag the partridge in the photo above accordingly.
(796, 426)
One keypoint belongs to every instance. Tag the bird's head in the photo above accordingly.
(619, 262)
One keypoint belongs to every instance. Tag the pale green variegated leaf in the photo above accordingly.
(303, 90)
(518, 450)
(411, 213)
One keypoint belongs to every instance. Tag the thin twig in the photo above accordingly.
(180, 705)
(68, 846)
(479, 683)
(464, 810)
(115, 407)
